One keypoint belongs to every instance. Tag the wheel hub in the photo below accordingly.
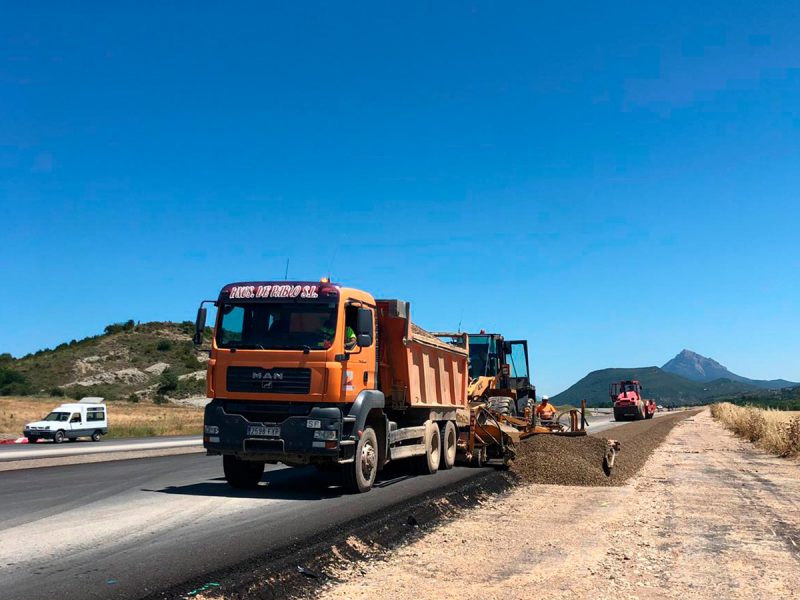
(368, 460)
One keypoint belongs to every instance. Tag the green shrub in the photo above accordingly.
(168, 382)
(119, 327)
(133, 398)
(159, 399)
(13, 383)
(57, 392)
(164, 346)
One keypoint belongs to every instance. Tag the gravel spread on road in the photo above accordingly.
(579, 460)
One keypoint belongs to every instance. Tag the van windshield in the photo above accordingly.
(57, 416)
(277, 325)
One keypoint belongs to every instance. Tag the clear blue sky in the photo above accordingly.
(612, 182)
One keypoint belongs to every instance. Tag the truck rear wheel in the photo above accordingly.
(359, 475)
(96, 436)
(449, 436)
(242, 474)
(429, 462)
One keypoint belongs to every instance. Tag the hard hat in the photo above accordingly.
(546, 398)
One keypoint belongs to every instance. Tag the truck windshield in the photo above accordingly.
(57, 416)
(277, 325)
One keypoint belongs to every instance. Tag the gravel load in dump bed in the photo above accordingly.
(579, 460)
(424, 336)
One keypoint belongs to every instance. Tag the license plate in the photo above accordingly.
(263, 431)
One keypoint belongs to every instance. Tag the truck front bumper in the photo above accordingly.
(293, 440)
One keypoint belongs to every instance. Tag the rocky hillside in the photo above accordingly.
(697, 367)
(128, 362)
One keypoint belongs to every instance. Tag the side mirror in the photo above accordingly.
(507, 347)
(200, 326)
(364, 328)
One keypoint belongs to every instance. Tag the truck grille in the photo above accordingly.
(256, 380)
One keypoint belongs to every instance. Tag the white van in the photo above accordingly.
(87, 418)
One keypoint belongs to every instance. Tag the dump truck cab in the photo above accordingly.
(294, 377)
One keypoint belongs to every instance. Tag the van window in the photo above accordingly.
(75, 418)
(95, 414)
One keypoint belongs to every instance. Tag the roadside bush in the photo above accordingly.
(133, 398)
(768, 429)
(159, 399)
(164, 346)
(57, 393)
(167, 383)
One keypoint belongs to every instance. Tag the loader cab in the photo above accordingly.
(490, 355)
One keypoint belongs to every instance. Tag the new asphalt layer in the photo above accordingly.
(129, 528)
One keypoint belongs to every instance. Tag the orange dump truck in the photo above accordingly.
(316, 373)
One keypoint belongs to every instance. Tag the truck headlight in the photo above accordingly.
(325, 435)
(211, 429)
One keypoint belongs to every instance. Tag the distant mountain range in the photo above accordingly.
(696, 367)
(689, 378)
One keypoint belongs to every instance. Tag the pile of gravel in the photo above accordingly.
(579, 460)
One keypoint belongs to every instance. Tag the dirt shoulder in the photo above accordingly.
(708, 516)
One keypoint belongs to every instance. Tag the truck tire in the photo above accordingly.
(359, 475)
(428, 463)
(242, 474)
(96, 436)
(449, 435)
(58, 437)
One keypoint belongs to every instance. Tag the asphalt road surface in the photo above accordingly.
(124, 529)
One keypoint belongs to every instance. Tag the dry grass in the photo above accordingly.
(775, 431)
(125, 419)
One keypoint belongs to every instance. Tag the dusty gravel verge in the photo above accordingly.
(708, 517)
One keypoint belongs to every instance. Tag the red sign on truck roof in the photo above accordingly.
(273, 290)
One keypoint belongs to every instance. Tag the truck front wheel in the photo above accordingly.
(242, 474)
(58, 437)
(359, 475)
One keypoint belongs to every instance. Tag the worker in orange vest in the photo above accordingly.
(545, 411)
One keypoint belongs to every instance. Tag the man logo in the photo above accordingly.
(268, 375)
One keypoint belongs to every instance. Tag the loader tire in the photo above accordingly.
(449, 435)
(359, 475)
(242, 474)
(503, 405)
(618, 415)
(428, 463)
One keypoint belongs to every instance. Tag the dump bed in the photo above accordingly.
(416, 368)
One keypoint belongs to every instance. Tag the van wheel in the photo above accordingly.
(449, 440)
(58, 437)
(359, 475)
(428, 463)
(242, 474)
(32, 440)
(96, 436)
